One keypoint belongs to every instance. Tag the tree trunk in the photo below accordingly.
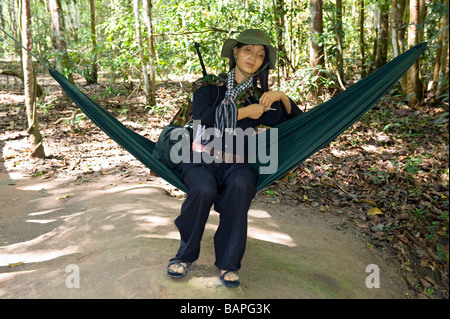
(362, 45)
(401, 14)
(13, 7)
(29, 83)
(414, 87)
(137, 25)
(383, 39)
(440, 75)
(316, 53)
(421, 20)
(73, 18)
(395, 20)
(148, 23)
(59, 39)
(339, 39)
(93, 73)
(2, 20)
(279, 12)
(376, 27)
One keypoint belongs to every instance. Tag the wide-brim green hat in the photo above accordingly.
(251, 36)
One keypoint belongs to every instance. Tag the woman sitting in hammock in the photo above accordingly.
(227, 182)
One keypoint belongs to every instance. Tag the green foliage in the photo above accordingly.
(119, 52)
(305, 80)
(45, 107)
(178, 24)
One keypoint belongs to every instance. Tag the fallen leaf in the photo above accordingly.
(15, 264)
(46, 175)
(374, 211)
(108, 173)
(360, 225)
(368, 201)
(62, 197)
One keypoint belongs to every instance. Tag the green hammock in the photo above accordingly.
(298, 138)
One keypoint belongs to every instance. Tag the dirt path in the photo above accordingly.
(119, 234)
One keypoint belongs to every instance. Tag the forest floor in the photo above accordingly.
(376, 195)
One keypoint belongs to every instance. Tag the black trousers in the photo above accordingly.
(231, 187)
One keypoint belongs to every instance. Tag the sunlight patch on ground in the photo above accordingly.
(271, 236)
(37, 187)
(208, 282)
(27, 251)
(150, 223)
(168, 235)
(44, 212)
(40, 221)
(258, 213)
(10, 98)
(15, 175)
(267, 231)
(34, 256)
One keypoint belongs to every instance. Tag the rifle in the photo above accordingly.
(197, 48)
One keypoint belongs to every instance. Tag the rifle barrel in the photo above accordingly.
(197, 48)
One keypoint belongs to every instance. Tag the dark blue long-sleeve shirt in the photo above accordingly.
(207, 98)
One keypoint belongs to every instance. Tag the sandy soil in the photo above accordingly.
(116, 232)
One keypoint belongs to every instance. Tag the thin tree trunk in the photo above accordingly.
(279, 12)
(339, 38)
(59, 38)
(362, 45)
(395, 19)
(402, 10)
(72, 21)
(148, 23)
(382, 43)
(29, 83)
(316, 53)
(421, 20)
(376, 26)
(15, 28)
(414, 88)
(93, 74)
(2, 20)
(137, 25)
(440, 70)
(76, 19)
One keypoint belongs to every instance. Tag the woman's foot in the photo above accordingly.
(177, 269)
(229, 278)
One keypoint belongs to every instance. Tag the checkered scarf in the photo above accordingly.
(226, 112)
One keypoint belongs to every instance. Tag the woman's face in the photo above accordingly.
(249, 57)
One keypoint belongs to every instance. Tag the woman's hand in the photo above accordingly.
(268, 98)
(253, 111)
